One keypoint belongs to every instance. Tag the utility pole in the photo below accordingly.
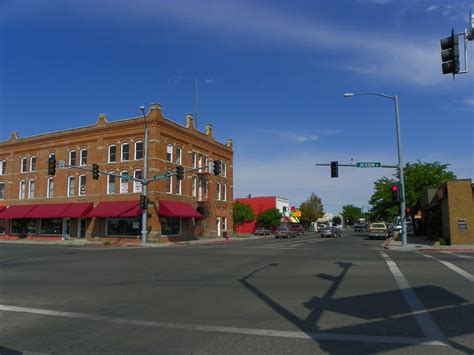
(145, 178)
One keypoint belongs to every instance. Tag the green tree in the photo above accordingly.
(243, 213)
(418, 177)
(336, 220)
(352, 213)
(311, 209)
(269, 218)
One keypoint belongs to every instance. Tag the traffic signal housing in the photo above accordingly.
(217, 167)
(180, 172)
(143, 202)
(334, 169)
(395, 193)
(52, 166)
(450, 54)
(95, 171)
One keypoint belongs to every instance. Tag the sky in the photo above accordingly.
(271, 76)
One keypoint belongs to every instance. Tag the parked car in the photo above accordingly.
(262, 231)
(378, 230)
(297, 228)
(331, 232)
(360, 227)
(285, 232)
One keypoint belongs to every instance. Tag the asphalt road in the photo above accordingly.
(268, 296)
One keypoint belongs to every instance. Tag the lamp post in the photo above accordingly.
(400, 159)
(145, 177)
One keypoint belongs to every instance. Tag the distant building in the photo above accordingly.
(260, 204)
(449, 211)
(72, 204)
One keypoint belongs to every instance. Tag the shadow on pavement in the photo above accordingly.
(386, 314)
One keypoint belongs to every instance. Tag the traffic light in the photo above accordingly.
(217, 167)
(334, 169)
(95, 171)
(52, 166)
(395, 193)
(450, 54)
(143, 202)
(180, 172)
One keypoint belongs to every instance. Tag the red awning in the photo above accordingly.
(116, 209)
(51, 210)
(178, 209)
(77, 210)
(18, 211)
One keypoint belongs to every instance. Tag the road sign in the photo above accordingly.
(161, 176)
(368, 164)
(62, 163)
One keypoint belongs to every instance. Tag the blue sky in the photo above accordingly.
(271, 76)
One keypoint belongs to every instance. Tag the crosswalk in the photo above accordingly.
(288, 244)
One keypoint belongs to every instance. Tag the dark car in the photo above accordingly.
(297, 228)
(262, 231)
(360, 227)
(284, 232)
(331, 232)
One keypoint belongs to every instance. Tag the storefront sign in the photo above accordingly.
(462, 225)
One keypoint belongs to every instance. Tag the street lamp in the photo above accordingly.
(400, 159)
(145, 177)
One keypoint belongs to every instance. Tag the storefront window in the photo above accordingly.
(170, 225)
(2, 226)
(23, 226)
(51, 226)
(124, 226)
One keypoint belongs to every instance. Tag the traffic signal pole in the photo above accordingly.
(145, 178)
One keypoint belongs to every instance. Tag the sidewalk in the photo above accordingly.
(96, 243)
(422, 244)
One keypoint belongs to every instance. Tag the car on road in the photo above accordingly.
(284, 232)
(262, 231)
(297, 228)
(378, 230)
(331, 232)
(360, 227)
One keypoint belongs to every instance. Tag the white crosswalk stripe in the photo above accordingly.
(453, 267)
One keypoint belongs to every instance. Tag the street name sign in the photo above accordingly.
(368, 164)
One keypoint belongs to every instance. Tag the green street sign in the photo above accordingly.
(368, 164)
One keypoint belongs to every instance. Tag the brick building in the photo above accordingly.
(72, 204)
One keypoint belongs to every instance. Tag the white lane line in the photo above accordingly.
(232, 330)
(458, 255)
(453, 267)
(425, 322)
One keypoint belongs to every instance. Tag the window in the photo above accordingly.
(21, 194)
(138, 150)
(83, 157)
(178, 155)
(169, 184)
(50, 188)
(31, 190)
(112, 153)
(170, 225)
(51, 226)
(82, 185)
(124, 226)
(178, 187)
(72, 157)
(23, 225)
(52, 155)
(3, 167)
(33, 163)
(2, 190)
(224, 192)
(199, 162)
(24, 163)
(137, 185)
(110, 184)
(224, 169)
(124, 183)
(218, 191)
(193, 186)
(193, 160)
(206, 165)
(70, 186)
(125, 152)
(224, 223)
(169, 152)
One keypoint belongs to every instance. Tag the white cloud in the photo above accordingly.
(469, 102)
(432, 8)
(303, 139)
(209, 81)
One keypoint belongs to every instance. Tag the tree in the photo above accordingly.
(242, 213)
(311, 209)
(269, 218)
(418, 178)
(352, 213)
(336, 220)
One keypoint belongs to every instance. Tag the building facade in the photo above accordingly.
(72, 204)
